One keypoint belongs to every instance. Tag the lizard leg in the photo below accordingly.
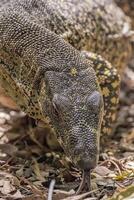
(109, 81)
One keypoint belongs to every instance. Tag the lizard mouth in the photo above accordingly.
(87, 164)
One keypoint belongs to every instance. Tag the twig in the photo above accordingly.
(33, 138)
(7, 162)
(120, 185)
(81, 196)
(33, 187)
(51, 189)
(114, 163)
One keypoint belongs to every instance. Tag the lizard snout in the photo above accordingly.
(87, 158)
(87, 164)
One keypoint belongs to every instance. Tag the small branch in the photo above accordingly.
(51, 189)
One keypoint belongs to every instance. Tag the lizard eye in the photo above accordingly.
(60, 104)
(94, 101)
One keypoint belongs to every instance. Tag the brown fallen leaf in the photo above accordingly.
(81, 196)
(7, 187)
(8, 149)
(60, 194)
(16, 195)
(34, 197)
(102, 170)
(8, 184)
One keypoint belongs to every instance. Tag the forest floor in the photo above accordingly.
(29, 168)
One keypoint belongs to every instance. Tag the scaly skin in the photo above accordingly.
(48, 68)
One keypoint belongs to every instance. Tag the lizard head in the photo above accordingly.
(74, 105)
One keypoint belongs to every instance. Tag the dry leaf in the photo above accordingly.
(17, 195)
(102, 171)
(60, 194)
(79, 197)
(8, 149)
(7, 187)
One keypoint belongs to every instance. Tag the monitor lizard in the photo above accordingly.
(60, 61)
